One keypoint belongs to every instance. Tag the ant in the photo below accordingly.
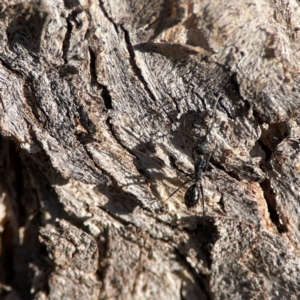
(192, 194)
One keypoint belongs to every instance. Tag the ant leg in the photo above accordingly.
(202, 200)
(186, 175)
(207, 162)
(177, 190)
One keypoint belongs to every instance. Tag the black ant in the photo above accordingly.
(192, 194)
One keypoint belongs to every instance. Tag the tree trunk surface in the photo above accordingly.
(102, 107)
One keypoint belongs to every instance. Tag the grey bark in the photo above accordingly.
(101, 104)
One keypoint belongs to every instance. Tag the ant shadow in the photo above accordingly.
(119, 202)
(177, 141)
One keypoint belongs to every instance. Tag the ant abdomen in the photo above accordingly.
(192, 195)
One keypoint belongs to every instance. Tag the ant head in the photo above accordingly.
(200, 147)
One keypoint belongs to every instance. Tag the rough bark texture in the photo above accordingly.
(101, 104)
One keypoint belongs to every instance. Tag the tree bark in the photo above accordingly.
(102, 104)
